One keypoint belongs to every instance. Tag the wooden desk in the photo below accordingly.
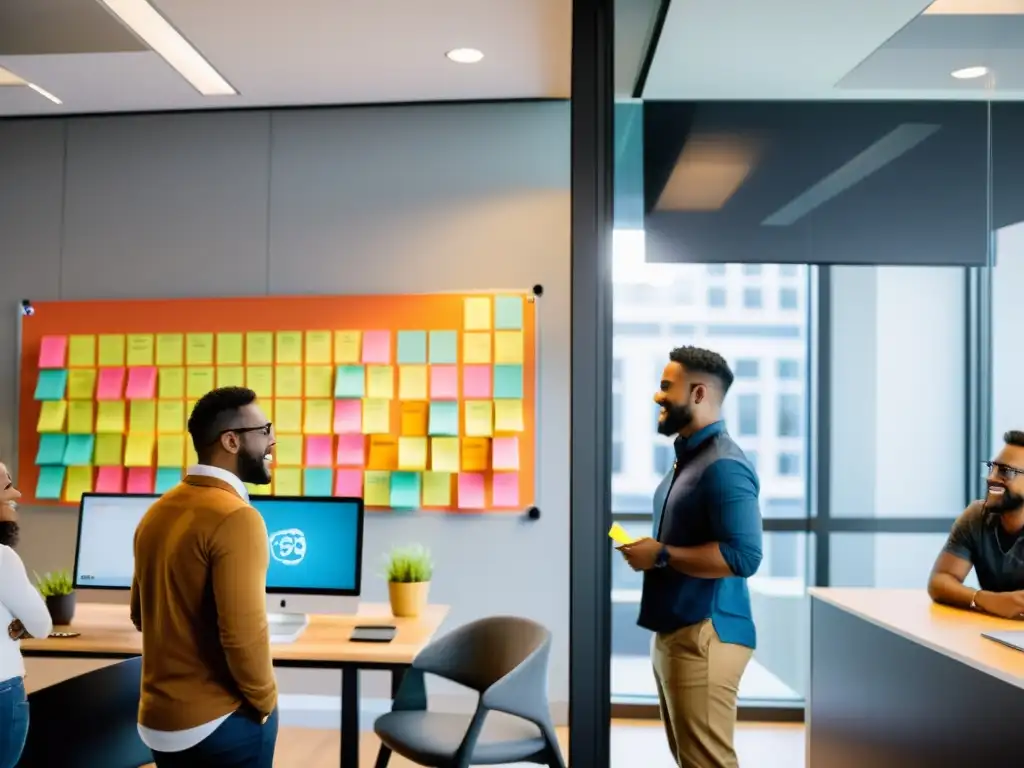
(899, 681)
(107, 633)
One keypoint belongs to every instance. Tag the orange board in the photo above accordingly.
(411, 401)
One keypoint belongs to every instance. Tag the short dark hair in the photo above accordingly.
(697, 360)
(216, 412)
(1014, 437)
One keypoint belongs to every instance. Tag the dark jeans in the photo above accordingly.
(13, 721)
(239, 742)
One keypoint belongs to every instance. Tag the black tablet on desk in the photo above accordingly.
(373, 634)
(1012, 638)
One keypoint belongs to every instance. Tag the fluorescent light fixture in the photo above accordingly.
(969, 73)
(465, 55)
(708, 172)
(44, 93)
(9, 78)
(144, 20)
(976, 8)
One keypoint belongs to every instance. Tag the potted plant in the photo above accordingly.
(408, 571)
(59, 591)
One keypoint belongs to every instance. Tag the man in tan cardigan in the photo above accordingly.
(198, 596)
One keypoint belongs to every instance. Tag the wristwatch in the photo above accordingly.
(662, 559)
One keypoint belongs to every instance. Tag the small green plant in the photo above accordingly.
(408, 565)
(54, 584)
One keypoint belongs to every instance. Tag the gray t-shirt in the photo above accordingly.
(998, 562)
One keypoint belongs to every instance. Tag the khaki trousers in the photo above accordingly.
(698, 679)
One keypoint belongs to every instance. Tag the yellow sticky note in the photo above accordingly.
(138, 449)
(412, 453)
(618, 534)
(476, 348)
(347, 347)
(170, 450)
(412, 382)
(80, 417)
(109, 451)
(288, 450)
(230, 348)
(288, 381)
(319, 381)
(319, 348)
(170, 349)
(288, 416)
(508, 415)
(199, 381)
(289, 347)
(475, 454)
(319, 417)
(380, 381)
(81, 383)
(110, 417)
(508, 347)
(170, 418)
(376, 488)
(437, 489)
(140, 349)
(376, 417)
(479, 418)
(260, 379)
(230, 376)
(288, 481)
(111, 351)
(444, 454)
(51, 416)
(79, 482)
(259, 348)
(81, 351)
(477, 314)
(199, 349)
(142, 416)
(172, 383)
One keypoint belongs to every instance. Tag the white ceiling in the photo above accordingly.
(838, 49)
(312, 52)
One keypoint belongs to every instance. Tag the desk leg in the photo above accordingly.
(350, 718)
(397, 676)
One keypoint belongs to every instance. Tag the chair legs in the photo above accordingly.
(383, 757)
(554, 757)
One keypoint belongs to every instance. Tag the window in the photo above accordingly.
(751, 269)
(752, 298)
(752, 458)
(617, 417)
(716, 297)
(789, 464)
(790, 407)
(746, 369)
(748, 410)
(886, 560)
(788, 298)
(789, 270)
(664, 457)
(716, 270)
(788, 369)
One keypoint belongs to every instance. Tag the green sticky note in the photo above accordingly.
(412, 347)
(52, 384)
(51, 450)
(508, 313)
(405, 490)
(166, 479)
(317, 482)
(444, 418)
(51, 483)
(350, 381)
(508, 382)
(444, 347)
(79, 450)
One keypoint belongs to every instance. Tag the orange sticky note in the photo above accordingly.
(414, 418)
(383, 452)
(475, 453)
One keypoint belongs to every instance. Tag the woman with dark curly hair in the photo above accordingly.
(24, 613)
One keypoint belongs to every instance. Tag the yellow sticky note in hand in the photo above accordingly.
(618, 534)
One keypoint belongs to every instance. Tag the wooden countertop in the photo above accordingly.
(107, 630)
(953, 632)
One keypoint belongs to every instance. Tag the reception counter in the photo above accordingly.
(898, 681)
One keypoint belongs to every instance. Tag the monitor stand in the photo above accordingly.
(286, 627)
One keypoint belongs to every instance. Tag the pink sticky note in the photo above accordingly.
(52, 351)
(348, 417)
(140, 480)
(377, 347)
(505, 489)
(351, 450)
(349, 482)
(141, 384)
(505, 453)
(471, 490)
(110, 480)
(476, 381)
(111, 384)
(444, 382)
(319, 451)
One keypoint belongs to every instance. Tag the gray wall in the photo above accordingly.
(401, 199)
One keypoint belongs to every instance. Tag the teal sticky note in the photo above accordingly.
(350, 381)
(51, 450)
(317, 482)
(508, 382)
(412, 347)
(444, 418)
(52, 384)
(405, 490)
(79, 450)
(444, 347)
(166, 478)
(51, 483)
(508, 313)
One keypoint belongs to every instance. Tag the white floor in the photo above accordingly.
(632, 677)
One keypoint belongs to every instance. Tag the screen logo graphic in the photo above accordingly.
(288, 547)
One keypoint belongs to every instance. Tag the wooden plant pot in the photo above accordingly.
(408, 599)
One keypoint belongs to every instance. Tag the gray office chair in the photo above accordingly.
(504, 659)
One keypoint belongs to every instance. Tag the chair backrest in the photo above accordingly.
(88, 721)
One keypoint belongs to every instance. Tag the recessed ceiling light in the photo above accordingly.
(969, 73)
(465, 55)
(43, 92)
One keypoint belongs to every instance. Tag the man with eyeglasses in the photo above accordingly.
(989, 537)
(198, 596)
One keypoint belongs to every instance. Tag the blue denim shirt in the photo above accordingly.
(710, 495)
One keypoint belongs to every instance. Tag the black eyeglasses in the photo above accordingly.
(1004, 471)
(264, 430)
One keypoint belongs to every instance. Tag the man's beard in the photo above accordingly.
(677, 418)
(252, 469)
(1005, 504)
